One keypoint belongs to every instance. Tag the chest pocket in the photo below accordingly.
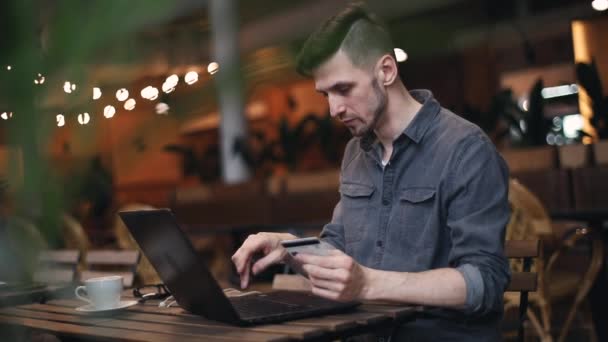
(356, 205)
(415, 208)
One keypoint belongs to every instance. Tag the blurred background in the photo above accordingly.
(196, 106)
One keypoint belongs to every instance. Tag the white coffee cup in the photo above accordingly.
(102, 293)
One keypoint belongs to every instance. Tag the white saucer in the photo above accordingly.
(122, 305)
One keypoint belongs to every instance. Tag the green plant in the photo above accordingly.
(505, 119)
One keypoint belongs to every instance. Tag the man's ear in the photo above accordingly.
(387, 70)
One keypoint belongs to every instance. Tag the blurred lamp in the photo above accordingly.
(122, 94)
(600, 5)
(162, 108)
(401, 55)
(109, 111)
(8, 67)
(173, 80)
(96, 93)
(69, 87)
(191, 77)
(60, 120)
(6, 115)
(213, 67)
(39, 79)
(168, 87)
(84, 118)
(130, 104)
(149, 93)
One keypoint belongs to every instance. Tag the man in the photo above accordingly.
(423, 203)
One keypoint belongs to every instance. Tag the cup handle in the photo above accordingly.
(82, 297)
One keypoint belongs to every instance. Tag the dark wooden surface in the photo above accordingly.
(523, 281)
(522, 248)
(148, 322)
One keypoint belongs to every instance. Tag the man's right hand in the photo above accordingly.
(268, 244)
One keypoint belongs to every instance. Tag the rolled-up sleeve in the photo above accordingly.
(478, 212)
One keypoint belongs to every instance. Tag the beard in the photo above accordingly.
(377, 107)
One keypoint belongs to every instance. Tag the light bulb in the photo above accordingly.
(122, 94)
(400, 55)
(149, 93)
(130, 104)
(173, 80)
(213, 67)
(600, 5)
(68, 87)
(84, 118)
(96, 93)
(162, 108)
(109, 111)
(60, 120)
(191, 77)
(168, 87)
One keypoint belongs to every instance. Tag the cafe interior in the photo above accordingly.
(196, 106)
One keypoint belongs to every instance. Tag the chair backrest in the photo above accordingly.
(524, 280)
(57, 266)
(74, 236)
(101, 263)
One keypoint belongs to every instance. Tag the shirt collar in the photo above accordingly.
(418, 126)
(425, 116)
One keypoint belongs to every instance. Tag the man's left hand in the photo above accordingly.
(336, 276)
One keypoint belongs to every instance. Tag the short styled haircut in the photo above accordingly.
(356, 31)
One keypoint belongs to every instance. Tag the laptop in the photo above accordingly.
(194, 288)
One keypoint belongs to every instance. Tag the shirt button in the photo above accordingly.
(379, 243)
(386, 202)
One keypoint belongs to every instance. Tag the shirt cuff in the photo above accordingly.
(474, 283)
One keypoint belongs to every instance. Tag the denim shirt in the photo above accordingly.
(441, 201)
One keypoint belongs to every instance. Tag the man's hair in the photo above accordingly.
(356, 31)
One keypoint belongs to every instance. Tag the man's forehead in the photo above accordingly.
(338, 68)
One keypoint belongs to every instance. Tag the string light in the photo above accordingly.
(60, 120)
(122, 94)
(600, 5)
(9, 68)
(130, 104)
(6, 115)
(69, 87)
(213, 67)
(109, 111)
(96, 93)
(84, 118)
(168, 87)
(40, 79)
(191, 77)
(149, 93)
(400, 55)
(162, 108)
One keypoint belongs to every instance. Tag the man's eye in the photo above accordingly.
(343, 90)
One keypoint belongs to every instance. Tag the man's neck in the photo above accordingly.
(401, 109)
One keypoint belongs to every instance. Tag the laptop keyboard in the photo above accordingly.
(278, 303)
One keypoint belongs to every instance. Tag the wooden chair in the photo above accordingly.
(74, 237)
(102, 263)
(523, 281)
(57, 266)
(530, 221)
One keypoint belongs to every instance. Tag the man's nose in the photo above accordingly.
(336, 107)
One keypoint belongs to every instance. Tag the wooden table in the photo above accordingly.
(148, 322)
